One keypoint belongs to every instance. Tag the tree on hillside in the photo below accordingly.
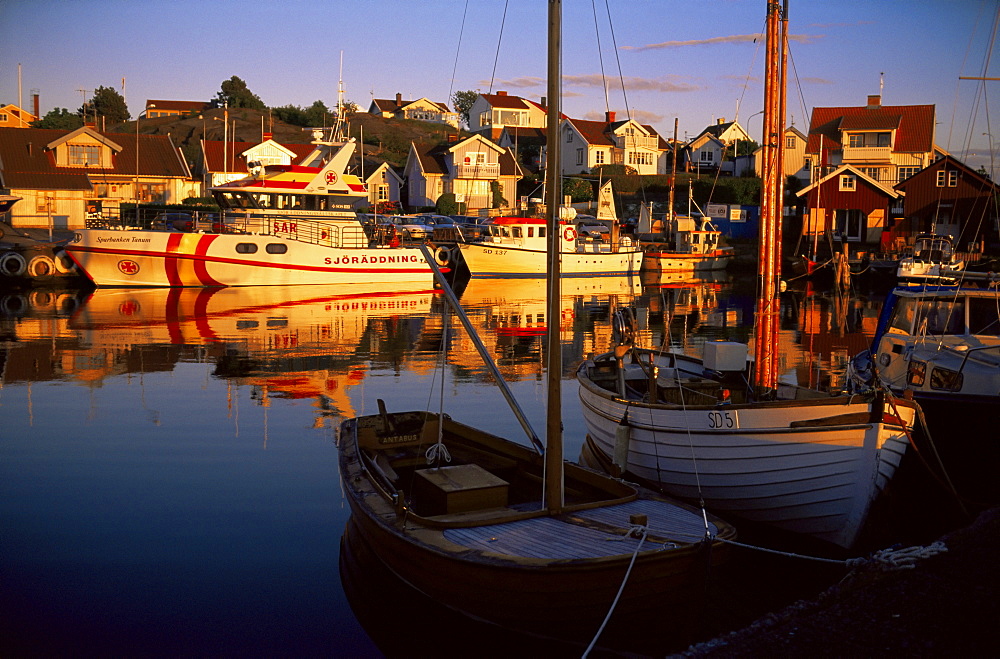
(579, 189)
(318, 114)
(59, 118)
(235, 94)
(463, 103)
(107, 103)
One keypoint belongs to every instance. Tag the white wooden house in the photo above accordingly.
(589, 144)
(466, 168)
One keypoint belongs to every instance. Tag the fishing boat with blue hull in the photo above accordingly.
(282, 225)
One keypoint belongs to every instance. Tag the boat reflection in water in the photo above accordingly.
(290, 341)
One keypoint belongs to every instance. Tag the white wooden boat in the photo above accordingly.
(799, 460)
(932, 260)
(491, 528)
(281, 225)
(516, 247)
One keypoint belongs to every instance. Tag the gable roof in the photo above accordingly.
(214, 150)
(600, 133)
(433, 158)
(28, 163)
(889, 191)
(391, 104)
(718, 129)
(914, 125)
(505, 100)
(953, 163)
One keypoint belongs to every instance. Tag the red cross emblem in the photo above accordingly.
(128, 267)
(331, 178)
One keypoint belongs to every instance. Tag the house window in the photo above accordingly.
(707, 156)
(599, 157)
(941, 178)
(484, 118)
(641, 158)
(953, 178)
(475, 158)
(848, 183)
(807, 164)
(581, 157)
(790, 142)
(906, 172)
(4, 117)
(569, 137)
(84, 154)
(883, 139)
(874, 173)
(857, 140)
(382, 193)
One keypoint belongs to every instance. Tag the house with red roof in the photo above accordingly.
(467, 168)
(62, 175)
(14, 117)
(589, 144)
(422, 109)
(491, 113)
(857, 155)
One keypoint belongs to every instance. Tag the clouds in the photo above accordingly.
(714, 41)
(667, 83)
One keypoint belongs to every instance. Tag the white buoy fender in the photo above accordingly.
(41, 266)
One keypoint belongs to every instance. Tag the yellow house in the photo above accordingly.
(12, 116)
(64, 176)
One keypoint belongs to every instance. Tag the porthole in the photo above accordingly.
(276, 248)
(246, 248)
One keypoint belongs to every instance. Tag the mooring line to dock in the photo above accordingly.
(885, 559)
(638, 528)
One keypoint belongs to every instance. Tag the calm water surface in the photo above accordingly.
(168, 462)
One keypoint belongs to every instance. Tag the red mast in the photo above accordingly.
(771, 207)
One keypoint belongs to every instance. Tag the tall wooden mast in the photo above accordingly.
(771, 206)
(553, 199)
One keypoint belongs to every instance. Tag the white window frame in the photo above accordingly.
(856, 140)
(952, 178)
(848, 183)
(941, 177)
(598, 157)
(789, 141)
(581, 156)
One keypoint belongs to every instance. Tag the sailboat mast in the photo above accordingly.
(766, 335)
(553, 193)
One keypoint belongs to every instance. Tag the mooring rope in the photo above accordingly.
(640, 529)
(883, 559)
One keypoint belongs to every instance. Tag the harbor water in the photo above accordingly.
(168, 457)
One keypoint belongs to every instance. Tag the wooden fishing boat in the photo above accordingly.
(803, 461)
(474, 533)
(696, 248)
(932, 260)
(493, 529)
(282, 225)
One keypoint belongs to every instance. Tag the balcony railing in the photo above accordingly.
(487, 170)
(636, 142)
(867, 154)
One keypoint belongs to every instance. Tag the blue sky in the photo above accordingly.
(693, 60)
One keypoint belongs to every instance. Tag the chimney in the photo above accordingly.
(720, 121)
(609, 116)
(874, 101)
(34, 98)
(268, 136)
(399, 99)
(545, 102)
(452, 138)
(501, 93)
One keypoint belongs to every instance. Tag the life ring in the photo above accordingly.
(67, 303)
(65, 265)
(41, 266)
(12, 264)
(442, 255)
(569, 233)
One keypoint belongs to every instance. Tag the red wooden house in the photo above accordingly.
(952, 199)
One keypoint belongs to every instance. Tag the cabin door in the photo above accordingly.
(851, 224)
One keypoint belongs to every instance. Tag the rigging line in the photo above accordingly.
(614, 42)
(461, 31)
(600, 57)
(503, 21)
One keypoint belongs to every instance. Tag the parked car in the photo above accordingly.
(412, 227)
(592, 229)
(173, 221)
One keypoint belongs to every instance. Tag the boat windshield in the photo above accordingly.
(941, 317)
(984, 316)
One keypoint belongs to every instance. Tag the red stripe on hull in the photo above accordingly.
(201, 265)
(170, 263)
